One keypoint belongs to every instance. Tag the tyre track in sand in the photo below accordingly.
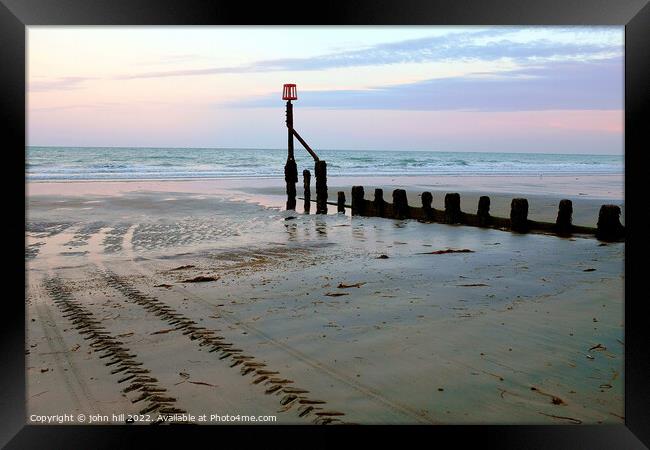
(235, 321)
(122, 363)
(290, 396)
(75, 384)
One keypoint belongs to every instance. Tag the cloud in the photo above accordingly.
(485, 45)
(106, 106)
(59, 84)
(175, 58)
(553, 86)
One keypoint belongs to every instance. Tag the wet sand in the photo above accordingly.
(587, 193)
(317, 319)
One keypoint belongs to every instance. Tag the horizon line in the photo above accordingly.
(321, 149)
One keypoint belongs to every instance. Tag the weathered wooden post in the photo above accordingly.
(427, 200)
(291, 178)
(483, 211)
(358, 203)
(340, 202)
(306, 183)
(289, 93)
(609, 224)
(564, 215)
(290, 168)
(379, 203)
(320, 169)
(400, 204)
(519, 215)
(452, 208)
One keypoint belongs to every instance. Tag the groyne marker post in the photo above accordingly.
(289, 93)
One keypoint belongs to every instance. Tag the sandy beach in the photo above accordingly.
(205, 297)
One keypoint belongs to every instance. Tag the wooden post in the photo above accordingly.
(340, 202)
(519, 215)
(291, 178)
(609, 224)
(358, 203)
(379, 203)
(304, 144)
(290, 168)
(427, 199)
(290, 129)
(320, 169)
(400, 204)
(452, 208)
(564, 213)
(483, 211)
(306, 182)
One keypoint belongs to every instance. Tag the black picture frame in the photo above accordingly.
(15, 15)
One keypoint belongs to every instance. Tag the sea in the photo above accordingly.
(138, 163)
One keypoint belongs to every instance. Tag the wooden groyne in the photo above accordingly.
(608, 228)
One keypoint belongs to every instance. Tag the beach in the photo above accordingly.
(175, 273)
(205, 297)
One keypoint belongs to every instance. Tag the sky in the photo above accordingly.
(441, 88)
